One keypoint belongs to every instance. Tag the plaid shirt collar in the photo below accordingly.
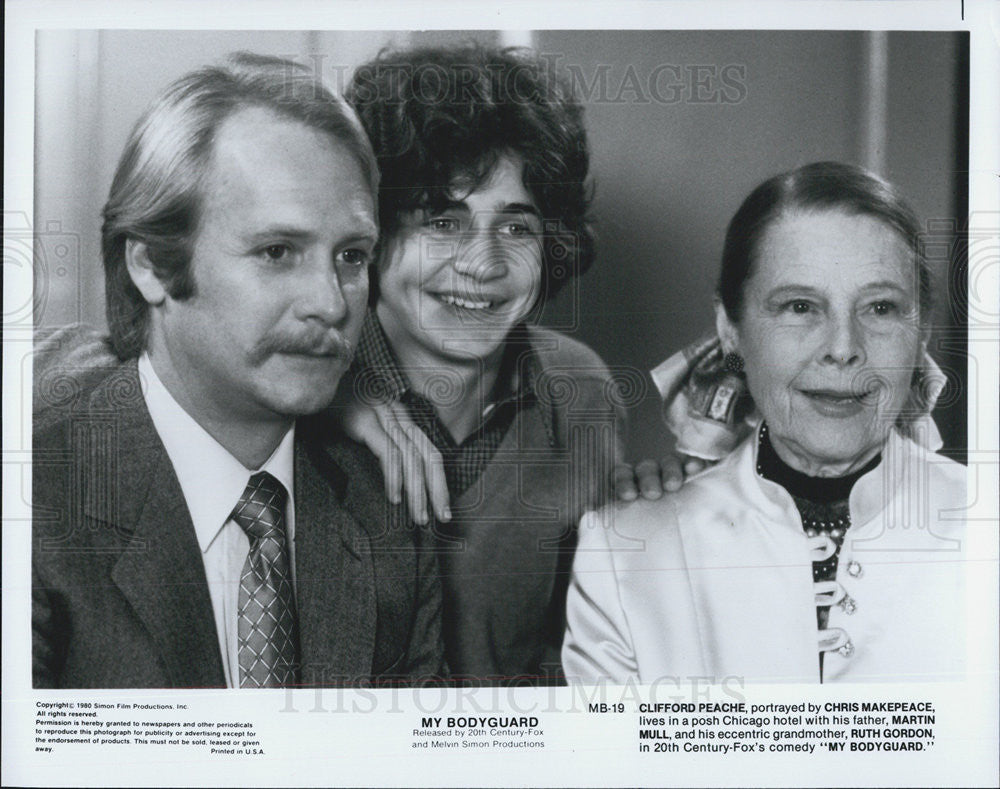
(381, 378)
(385, 379)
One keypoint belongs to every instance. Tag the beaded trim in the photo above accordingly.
(828, 591)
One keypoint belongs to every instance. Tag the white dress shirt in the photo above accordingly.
(212, 481)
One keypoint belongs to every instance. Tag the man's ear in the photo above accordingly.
(727, 331)
(140, 269)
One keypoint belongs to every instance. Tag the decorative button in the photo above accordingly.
(854, 569)
(848, 604)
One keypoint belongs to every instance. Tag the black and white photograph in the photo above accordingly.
(611, 389)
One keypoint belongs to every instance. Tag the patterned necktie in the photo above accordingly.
(268, 634)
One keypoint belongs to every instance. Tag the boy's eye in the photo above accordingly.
(442, 224)
(515, 229)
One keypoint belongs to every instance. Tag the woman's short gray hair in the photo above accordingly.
(156, 192)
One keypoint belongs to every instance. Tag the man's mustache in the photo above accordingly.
(321, 343)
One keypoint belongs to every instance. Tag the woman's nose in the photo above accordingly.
(845, 342)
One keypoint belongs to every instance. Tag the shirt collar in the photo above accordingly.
(519, 368)
(211, 479)
(383, 378)
(518, 373)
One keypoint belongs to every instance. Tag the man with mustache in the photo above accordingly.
(193, 525)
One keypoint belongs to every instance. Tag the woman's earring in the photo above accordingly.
(733, 362)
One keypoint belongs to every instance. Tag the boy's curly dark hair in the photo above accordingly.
(438, 116)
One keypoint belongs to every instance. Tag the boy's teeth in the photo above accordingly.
(469, 305)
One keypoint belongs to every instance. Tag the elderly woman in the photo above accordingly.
(826, 546)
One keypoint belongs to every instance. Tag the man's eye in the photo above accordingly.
(799, 307)
(276, 252)
(355, 257)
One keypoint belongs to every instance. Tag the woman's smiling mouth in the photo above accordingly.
(837, 402)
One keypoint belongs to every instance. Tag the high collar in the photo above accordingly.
(821, 490)
(873, 493)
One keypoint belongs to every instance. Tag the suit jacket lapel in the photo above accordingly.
(160, 571)
(335, 577)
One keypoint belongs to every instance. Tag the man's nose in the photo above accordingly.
(844, 341)
(321, 295)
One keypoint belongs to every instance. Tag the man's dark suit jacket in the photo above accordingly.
(120, 597)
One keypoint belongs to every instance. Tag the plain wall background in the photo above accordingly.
(669, 168)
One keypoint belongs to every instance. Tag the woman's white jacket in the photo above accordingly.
(715, 581)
